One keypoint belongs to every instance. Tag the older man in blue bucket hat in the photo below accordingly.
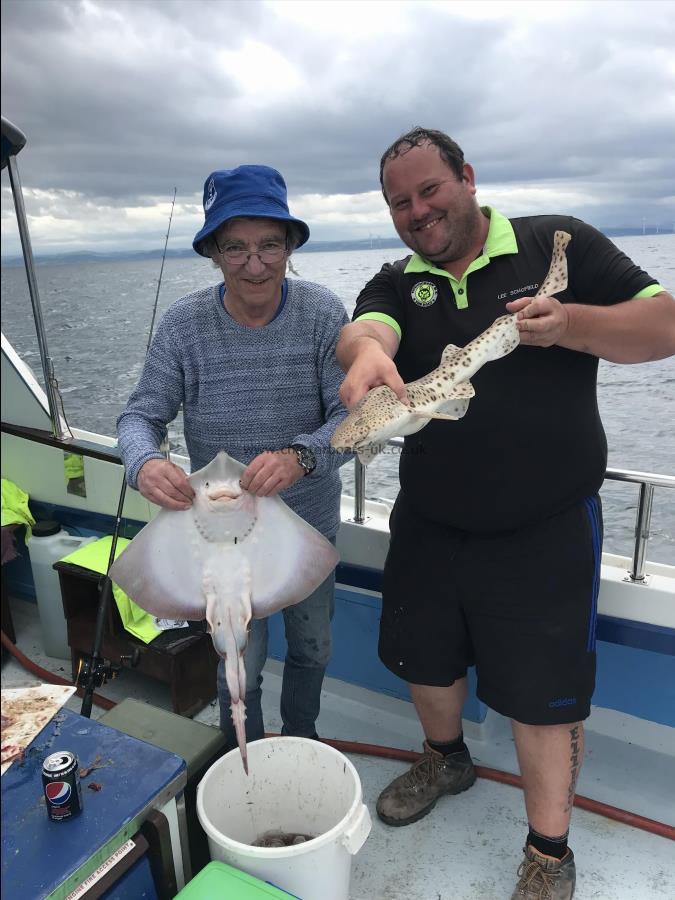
(252, 362)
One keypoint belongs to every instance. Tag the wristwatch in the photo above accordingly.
(306, 457)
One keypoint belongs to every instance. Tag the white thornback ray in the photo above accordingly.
(230, 557)
(446, 391)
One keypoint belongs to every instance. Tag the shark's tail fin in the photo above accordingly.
(556, 277)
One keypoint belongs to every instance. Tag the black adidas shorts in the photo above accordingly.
(520, 606)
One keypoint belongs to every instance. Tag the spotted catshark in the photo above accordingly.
(446, 391)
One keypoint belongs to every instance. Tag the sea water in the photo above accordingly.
(98, 315)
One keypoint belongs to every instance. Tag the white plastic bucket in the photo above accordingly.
(295, 785)
(47, 545)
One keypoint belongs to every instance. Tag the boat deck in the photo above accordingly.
(468, 847)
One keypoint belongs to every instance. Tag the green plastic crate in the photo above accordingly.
(226, 883)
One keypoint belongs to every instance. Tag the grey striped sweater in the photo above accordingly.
(245, 390)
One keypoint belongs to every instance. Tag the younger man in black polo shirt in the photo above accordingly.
(500, 513)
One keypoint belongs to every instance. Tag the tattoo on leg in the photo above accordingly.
(575, 764)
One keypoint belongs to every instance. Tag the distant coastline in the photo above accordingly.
(85, 256)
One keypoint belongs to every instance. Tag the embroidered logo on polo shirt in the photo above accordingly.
(424, 293)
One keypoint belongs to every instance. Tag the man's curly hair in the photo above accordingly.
(450, 151)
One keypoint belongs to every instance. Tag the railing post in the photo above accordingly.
(642, 527)
(359, 491)
(59, 432)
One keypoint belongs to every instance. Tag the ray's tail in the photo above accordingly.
(235, 674)
(238, 710)
(228, 624)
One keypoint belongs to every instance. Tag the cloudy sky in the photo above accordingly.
(561, 107)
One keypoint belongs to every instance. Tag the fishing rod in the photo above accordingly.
(161, 272)
(93, 670)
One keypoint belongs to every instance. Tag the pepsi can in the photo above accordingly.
(61, 784)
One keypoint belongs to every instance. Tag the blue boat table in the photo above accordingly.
(45, 859)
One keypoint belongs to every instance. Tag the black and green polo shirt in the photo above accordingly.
(531, 442)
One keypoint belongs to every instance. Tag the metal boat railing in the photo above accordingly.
(13, 141)
(647, 481)
(643, 517)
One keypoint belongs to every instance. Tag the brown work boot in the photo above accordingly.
(412, 795)
(543, 878)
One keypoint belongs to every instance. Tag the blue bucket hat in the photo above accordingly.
(257, 192)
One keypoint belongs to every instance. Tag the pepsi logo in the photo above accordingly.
(58, 792)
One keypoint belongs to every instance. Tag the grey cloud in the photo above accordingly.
(581, 99)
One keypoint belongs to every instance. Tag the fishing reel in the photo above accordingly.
(104, 670)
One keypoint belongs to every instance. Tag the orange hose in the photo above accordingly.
(409, 756)
(46, 675)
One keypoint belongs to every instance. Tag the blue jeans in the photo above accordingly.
(307, 627)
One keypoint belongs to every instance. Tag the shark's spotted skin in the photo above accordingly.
(442, 394)
(446, 391)
(556, 279)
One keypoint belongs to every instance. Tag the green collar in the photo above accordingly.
(500, 240)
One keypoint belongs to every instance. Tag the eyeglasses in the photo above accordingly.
(269, 252)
